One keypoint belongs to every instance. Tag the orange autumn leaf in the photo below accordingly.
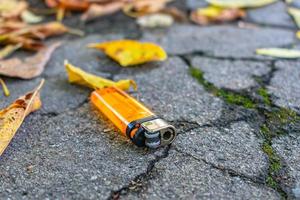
(13, 116)
(131, 52)
(76, 5)
(30, 67)
(212, 14)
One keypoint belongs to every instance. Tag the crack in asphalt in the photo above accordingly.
(266, 110)
(139, 181)
(230, 172)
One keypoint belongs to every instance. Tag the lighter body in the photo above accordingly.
(132, 118)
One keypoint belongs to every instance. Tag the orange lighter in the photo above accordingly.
(133, 119)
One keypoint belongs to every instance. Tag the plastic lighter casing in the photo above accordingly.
(133, 119)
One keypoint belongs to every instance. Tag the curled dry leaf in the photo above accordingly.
(26, 43)
(155, 20)
(80, 77)
(177, 14)
(138, 8)
(279, 52)
(12, 117)
(240, 3)
(30, 35)
(30, 67)
(131, 52)
(213, 14)
(97, 10)
(9, 26)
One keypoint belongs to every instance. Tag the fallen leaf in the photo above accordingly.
(30, 67)
(30, 36)
(138, 8)
(97, 10)
(155, 20)
(295, 13)
(80, 77)
(240, 3)
(4, 87)
(9, 26)
(30, 18)
(67, 5)
(12, 117)
(74, 5)
(279, 52)
(49, 29)
(51, 3)
(213, 14)
(131, 52)
(298, 34)
(177, 14)
(12, 8)
(9, 49)
(27, 43)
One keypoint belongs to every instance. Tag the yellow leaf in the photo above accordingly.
(240, 3)
(131, 52)
(295, 13)
(210, 14)
(279, 52)
(5, 89)
(298, 34)
(12, 117)
(80, 77)
(211, 11)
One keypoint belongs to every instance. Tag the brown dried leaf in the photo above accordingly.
(12, 8)
(177, 14)
(142, 7)
(9, 26)
(27, 43)
(51, 3)
(12, 117)
(30, 67)
(97, 10)
(29, 36)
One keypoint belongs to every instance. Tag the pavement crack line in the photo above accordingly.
(186, 56)
(271, 26)
(275, 119)
(230, 172)
(51, 115)
(138, 182)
